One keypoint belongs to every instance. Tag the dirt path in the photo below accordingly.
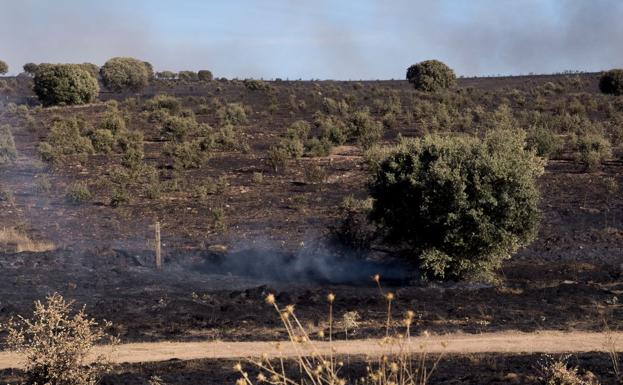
(504, 342)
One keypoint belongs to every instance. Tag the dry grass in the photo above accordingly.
(399, 365)
(21, 242)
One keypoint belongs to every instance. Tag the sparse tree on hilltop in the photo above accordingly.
(205, 75)
(431, 75)
(125, 73)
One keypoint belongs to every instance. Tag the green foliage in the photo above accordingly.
(185, 155)
(278, 158)
(64, 84)
(91, 68)
(103, 140)
(611, 82)
(188, 76)
(4, 68)
(431, 75)
(132, 146)
(592, 149)
(125, 73)
(113, 121)
(319, 147)
(65, 139)
(8, 153)
(256, 85)
(205, 75)
(544, 141)
(77, 193)
(232, 113)
(178, 128)
(30, 68)
(364, 128)
(166, 75)
(461, 204)
(163, 101)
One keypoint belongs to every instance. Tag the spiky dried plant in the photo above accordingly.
(56, 344)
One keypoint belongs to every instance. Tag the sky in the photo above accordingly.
(318, 39)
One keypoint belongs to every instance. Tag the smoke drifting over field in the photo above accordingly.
(321, 39)
(316, 263)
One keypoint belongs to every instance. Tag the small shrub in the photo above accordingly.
(64, 84)
(278, 158)
(113, 121)
(185, 155)
(232, 113)
(544, 141)
(42, 183)
(299, 130)
(294, 147)
(318, 147)
(315, 174)
(78, 193)
(125, 73)
(559, 373)
(4, 68)
(592, 150)
(56, 344)
(205, 75)
(65, 139)
(178, 128)
(256, 85)
(103, 141)
(611, 82)
(258, 178)
(431, 76)
(131, 144)
(364, 128)
(461, 204)
(8, 153)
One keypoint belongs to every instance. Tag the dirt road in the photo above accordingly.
(505, 342)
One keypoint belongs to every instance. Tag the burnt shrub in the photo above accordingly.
(431, 75)
(461, 205)
(8, 153)
(125, 73)
(611, 82)
(64, 84)
(205, 75)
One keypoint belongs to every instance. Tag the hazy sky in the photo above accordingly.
(327, 39)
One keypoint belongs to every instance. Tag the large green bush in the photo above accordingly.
(462, 205)
(431, 75)
(125, 73)
(8, 153)
(65, 84)
(4, 68)
(611, 82)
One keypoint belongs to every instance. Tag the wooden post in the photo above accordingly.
(158, 252)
